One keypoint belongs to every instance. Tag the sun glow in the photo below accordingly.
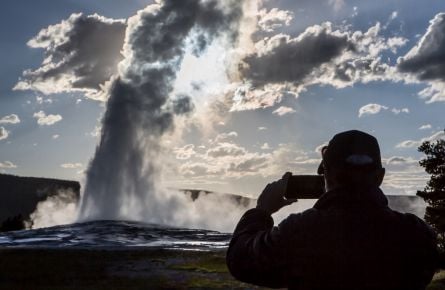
(203, 76)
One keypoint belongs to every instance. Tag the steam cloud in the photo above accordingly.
(122, 177)
(58, 209)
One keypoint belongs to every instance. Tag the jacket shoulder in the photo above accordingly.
(297, 222)
(417, 223)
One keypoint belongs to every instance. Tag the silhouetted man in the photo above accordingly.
(350, 239)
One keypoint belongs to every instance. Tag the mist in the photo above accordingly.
(58, 209)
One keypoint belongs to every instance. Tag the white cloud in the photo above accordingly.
(394, 15)
(283, 110)
(319, 147)
(403, 175)
(308, 161)
(416, 143)
(435, 92)
(265, 146)
(398, 111)
(371, 109)
(225, 160)
(355, 11)
(391, 18)
(71, 165)
(274, 18)
(43, 119)
(246, 97)
(229, 161)
(96, 131)
(7, 165)
(262, 128)
(250, 164)
(3, 133)
(10, 119)
(226, 149)
(425, 127)
(190, 169)
(184, 153)
(400, 160)
(224, 136)
(55, 136)
(40, 100)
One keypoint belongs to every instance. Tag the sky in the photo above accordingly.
(253, 97)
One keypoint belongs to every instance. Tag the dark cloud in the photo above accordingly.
(356, 69)
(285, 59)
(81, 53)
(140, 109)
(427, 59)
(182, 105)
(321, 55)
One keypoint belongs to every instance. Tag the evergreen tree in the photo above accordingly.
(434, 192)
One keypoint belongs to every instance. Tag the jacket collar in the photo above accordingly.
(371, 196)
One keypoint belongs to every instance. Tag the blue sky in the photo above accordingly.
(51, 130)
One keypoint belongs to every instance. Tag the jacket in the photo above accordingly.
(350, 239)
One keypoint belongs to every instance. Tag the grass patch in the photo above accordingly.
(213, 264)
(438, 282)
(69, 269)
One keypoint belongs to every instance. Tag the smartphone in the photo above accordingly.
(305, 187)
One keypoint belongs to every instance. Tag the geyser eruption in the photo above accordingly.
(121, 178)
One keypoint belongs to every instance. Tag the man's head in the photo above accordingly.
(352, 158)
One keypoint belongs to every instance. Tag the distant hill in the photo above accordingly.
(19, 197)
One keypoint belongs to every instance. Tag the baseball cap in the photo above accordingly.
(352, 148)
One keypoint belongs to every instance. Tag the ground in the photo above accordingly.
(120, 268)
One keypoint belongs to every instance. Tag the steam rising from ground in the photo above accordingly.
(58, 209)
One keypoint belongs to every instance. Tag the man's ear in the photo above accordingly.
(380, 174)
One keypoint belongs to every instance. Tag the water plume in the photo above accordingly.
(122, 176)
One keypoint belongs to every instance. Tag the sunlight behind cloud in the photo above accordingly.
(202, 76)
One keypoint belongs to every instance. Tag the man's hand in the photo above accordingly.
(272, 198)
